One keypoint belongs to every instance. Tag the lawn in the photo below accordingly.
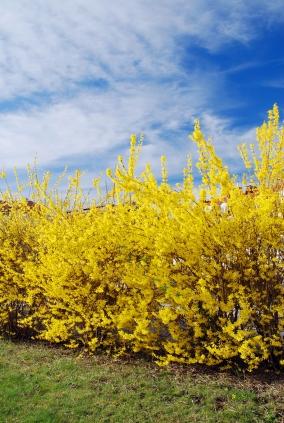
(40, 384)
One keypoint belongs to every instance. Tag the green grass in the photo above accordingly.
(49, 385)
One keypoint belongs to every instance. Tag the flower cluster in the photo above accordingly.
(157, 270)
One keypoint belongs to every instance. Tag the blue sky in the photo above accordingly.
(77, 77)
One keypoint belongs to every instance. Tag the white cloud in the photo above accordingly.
(46, 45)
(50, 46)
(92, 125)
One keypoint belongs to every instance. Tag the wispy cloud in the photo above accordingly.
(77, 77)
(274, 83)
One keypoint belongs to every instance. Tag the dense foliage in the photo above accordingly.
(157, 269)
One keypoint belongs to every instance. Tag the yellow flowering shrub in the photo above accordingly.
(17, 241)
(160, 270)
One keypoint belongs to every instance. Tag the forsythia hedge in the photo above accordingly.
(161, 270)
